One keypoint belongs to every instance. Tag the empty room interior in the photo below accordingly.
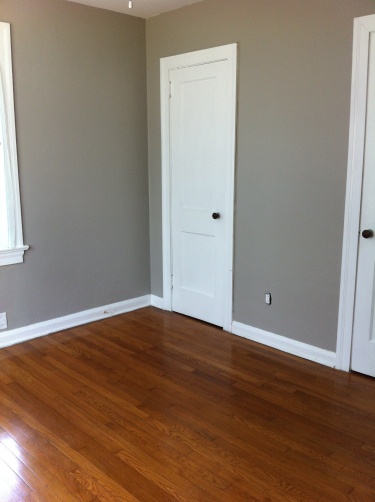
(187, 251)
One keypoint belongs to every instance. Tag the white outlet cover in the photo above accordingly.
(3, 321)
(267, 298)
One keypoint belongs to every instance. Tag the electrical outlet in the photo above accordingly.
(267, 298)
(3, 320)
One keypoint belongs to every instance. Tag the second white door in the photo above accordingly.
(363, 352)
(200, 159)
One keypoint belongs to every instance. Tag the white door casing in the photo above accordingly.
(198, 156)
(356, 327)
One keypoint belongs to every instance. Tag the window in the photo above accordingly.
(11, 240)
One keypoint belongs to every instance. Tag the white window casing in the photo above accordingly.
(11, 239)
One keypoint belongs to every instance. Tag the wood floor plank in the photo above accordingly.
(63, 461)
(13, 480)
(191, 476)
(26, 468)
(152, 406)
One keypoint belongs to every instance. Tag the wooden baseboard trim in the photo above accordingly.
(157, 301)
(304, 350)
(18, 335)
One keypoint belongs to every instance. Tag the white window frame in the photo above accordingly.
(14, 254)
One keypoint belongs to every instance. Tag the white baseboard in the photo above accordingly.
(288, 345)
(18, 335)
(157, 301)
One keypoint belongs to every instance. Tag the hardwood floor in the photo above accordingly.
(154, 406)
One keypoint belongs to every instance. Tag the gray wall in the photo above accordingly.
(80, 97)
(292, 142)
(81, 116)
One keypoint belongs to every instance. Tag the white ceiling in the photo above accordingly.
(141, 8)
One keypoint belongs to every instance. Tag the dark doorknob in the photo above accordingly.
(366, 234)
(215, 216)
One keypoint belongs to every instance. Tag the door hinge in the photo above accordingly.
(170, 89)
(171, 281)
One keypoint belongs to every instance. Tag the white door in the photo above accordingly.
(201, 160)
(363, 350)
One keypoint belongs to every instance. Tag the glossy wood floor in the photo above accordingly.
(154, 406)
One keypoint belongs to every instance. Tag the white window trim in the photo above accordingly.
(15, 254)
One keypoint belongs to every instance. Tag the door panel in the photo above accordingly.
(197, 139)
(197, 270)
(199, 118)
(363, 352)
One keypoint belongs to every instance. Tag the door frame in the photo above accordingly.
(222, 53)
(362, 28)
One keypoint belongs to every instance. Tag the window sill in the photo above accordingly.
(11, 256)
